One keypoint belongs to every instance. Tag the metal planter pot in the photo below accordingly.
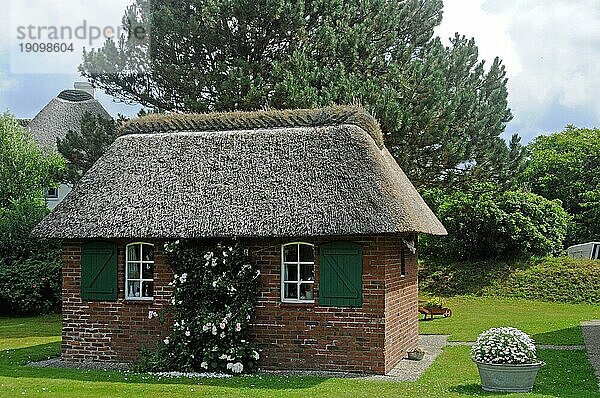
(508, 377)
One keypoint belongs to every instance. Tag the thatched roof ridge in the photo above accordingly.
(282, 182)
(250, 120)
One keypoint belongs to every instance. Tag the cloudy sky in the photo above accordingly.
(551, 49)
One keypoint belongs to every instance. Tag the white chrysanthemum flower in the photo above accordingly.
(504, 345)
(166, 341)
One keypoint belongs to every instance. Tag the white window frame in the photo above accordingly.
(141, 262)
(298, 268)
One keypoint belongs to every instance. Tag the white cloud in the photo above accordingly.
(44, 15)
(468, 18)
(552, 54)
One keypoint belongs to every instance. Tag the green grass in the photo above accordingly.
(567, 374)
(547, 323)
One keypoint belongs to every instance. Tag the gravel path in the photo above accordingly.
(540, 346)
(591, 336)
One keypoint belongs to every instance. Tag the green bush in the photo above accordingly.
(453, 278)
(16, 223)
(30, 286)
(560, 279)
(487, 223)
(215, 293)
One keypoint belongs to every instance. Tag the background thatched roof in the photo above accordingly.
(62, 114)
(289, 181)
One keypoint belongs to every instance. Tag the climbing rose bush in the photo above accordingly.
(504, 346)
(214, 296)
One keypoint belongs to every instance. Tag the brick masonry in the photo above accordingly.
(369, 339)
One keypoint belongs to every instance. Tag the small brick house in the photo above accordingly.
(327, 215)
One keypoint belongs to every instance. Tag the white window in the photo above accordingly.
(139, 271)
(297, 272)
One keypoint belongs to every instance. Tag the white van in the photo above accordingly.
(589, 251)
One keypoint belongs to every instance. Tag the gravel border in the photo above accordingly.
(84, 365)
(591, 337)
(539, 346)
(405, 370)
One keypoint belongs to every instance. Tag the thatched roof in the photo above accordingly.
(283, 181)
(62, 114)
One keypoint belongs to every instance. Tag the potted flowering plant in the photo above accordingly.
(506, 360)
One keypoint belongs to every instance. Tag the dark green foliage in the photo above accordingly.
(485, 222)
(555, 279)
(215, 293)
(25, 171)
(30, 286)
(16, 223)
(566, 166)
(441, 109)
(29, 268)
(82, 148)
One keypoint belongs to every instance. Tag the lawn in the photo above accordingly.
(567, 373)
(547, 323)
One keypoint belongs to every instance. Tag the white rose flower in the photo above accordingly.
(204, 365)
(166, 341)
(188, 333)
(237, 367)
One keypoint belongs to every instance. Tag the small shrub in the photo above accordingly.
(504, 345)
(30, 287)
(215, 293)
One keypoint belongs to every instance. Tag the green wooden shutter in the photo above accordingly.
(99, 271)
(340, 274)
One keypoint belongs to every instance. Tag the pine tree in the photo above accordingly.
(441, 109)
(82, 148)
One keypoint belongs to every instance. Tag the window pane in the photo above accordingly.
(291, 272)
(133, 252)
(133, 271)
(133, 289)
(147, 271)
(307, 272)
(148, 253)
(147, 289)
(306, 291)
(290, 253)
(290, 291)
(307, 253)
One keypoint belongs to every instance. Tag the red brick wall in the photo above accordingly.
(401, 304)
(291, 336)
(308, 336)
(109, 330)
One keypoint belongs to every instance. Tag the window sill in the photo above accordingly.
(297, 302)
(139, 300)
